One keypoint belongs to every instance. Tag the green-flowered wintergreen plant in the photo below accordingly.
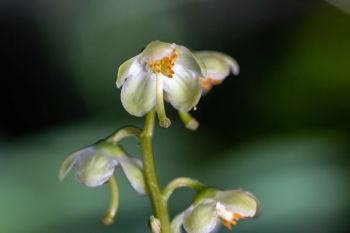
(162, 71)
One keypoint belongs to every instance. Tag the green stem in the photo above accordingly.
(122, 133)
(159, 206)
(182, 182)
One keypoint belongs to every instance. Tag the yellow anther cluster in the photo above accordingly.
(165, 65)
(233, 221)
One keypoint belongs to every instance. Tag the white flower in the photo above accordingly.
(96, 164)
(218, 66)
(161, 68)
(214, 207)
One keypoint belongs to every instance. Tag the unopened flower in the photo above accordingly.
(214, 207)
(218, 66)
(161, 68)
(95, 165)
(154, 224)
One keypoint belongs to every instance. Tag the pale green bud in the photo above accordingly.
(154, 224)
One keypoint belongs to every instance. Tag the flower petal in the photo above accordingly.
(218, 64)
(187, 60)
(201, 219)
(238, 201)
(94, 166)
(128, 69)
(132, 168)
(176, 223)
(68, 163)
(138, 94)
(183, 90)
(156, 50)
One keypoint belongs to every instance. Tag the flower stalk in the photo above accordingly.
(182, 182)
(124, 132)
(159, 206)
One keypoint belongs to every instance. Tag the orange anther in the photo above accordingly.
(165, 65)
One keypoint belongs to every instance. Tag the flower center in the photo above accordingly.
(165, 65)
(228, 218)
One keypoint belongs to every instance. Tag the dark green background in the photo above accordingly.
(280, 129)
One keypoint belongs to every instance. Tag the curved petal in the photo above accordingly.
(238, 201)
(128, 69)
(68, 163)
(138, 94)
(218, 64)
(176, 223)
(183, 90)
(156, 50)
(132, 168)
(202, 218)
(94, 166)
(187, 60)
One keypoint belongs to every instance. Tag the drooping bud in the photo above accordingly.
(154, 224)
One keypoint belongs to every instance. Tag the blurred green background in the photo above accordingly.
(280, 129)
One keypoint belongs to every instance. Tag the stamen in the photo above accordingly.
(165, 65)
(228, 218)
(208, 83)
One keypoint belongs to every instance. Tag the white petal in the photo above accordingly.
(183, 90)
(69, 162)
(218, 65)
(128, 69)
(156, 50)
(187, 60)
(202, 218)
(94, 166)
(176, 223)
(132, 168)
(138, 94)
(238, 201)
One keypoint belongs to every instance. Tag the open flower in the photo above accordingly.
(96, 164)
(161, 68)
(218, 66)
(213, 207)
